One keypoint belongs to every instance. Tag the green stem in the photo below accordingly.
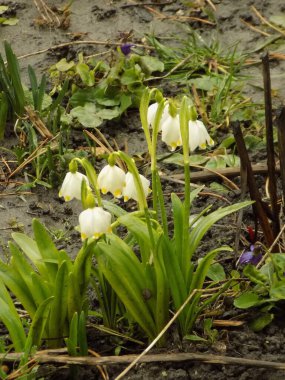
(141, 196)
(92, 176)
(184, 120)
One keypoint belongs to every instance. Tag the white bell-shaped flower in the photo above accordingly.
(198, 135)
(71, 186)
(151, 112)
(130, 191)
(94, 222)
(111, 179)
(171, 132)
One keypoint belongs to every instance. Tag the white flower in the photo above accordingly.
(198, 135)
(112, 179)
(130, 191)
(94, 222)
(171, 132)
(71, 186)
(151, 112)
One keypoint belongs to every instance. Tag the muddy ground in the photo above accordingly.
(105, 21)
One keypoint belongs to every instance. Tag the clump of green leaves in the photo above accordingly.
(5, 18)
(267, 290)
(104, 91)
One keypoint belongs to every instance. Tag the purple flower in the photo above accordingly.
(126, 48)
(253, 256)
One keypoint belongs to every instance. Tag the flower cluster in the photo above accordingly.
(170, 129)
(94, 221)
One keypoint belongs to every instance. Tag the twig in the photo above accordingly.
(86, 42)
(258, 206)
(270, 144)
(231, 184)
(53, 356)
(281, 145)
(204, 175)
(254, 28)
(143, 4)
(263, 19)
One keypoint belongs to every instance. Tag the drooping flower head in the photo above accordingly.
(130, 191)
(94, 222)
(111, 179)
(71, 186)
(171, 134)
(198, 135)
(151, 113)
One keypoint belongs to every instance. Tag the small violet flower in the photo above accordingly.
(94, 222)
(198, 135)
(126, 48)
(111, 179)
(171, 132)
(253, 256)
(71, 186)
(130, 191)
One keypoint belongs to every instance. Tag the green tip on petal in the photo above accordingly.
(112, 159)
(193, 113)
(73, 167)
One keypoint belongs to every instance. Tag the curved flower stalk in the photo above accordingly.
(111, 179)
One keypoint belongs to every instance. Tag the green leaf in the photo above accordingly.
(4, 107)
(194, 338)
(216, 162)
(204, 224)
(87, 115)
(216, 272)
(259, 323)
(63, 65)
(11, 21)
(278, 20)
(11, 319)
(85, 74)
(255, 275)
(247, 300)
(151, 64)
(109, 113)
(58, 308)
(37, 327)
(277, 290)
(3, 8)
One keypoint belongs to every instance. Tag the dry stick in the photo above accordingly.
(231, 184)
(243, 179)
(166, 327)
(254, 28)
(270, 144)
(258, 206)
(84, 42)
(205, 175)
(281, 145)
(264, 21)
(54, 356)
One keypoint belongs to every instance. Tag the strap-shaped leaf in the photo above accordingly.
(11, 319)
(58, 308)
